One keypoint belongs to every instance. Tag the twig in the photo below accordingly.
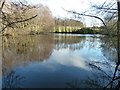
(89, 16)
(17, 22)
(2, 5)
(113, 79)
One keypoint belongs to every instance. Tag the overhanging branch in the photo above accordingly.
(106, 8)
(88, 16)
(17, 22)
(2, 4)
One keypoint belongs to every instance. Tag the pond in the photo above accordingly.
(58, 61)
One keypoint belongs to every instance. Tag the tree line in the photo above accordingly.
(20, 17)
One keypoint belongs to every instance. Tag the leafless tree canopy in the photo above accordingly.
(14, 15)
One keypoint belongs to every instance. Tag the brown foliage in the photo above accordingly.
(17, 11)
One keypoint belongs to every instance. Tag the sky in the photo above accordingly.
(56, 7)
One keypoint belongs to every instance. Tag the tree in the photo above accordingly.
(109, 11)
(10, 16)
(15, 14)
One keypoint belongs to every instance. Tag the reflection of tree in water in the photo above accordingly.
(111, 50)
(60, 44)
(24, 49)
(70, 42)
(11, 80)
(103, 79)
(109, 47)
(74, 42)
(100, 77)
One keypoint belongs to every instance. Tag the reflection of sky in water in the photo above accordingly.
(65, 65)
(80, 57)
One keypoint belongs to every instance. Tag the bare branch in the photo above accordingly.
(17, 22)
(104, 3)
(106, 8)
(88, 16)
(2, 5)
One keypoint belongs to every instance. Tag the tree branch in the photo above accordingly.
(2, 4)
(89, 16)
(106, 8)
(17, 22)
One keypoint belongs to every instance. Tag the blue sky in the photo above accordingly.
(76, 5)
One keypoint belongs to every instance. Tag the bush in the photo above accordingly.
(87, 31)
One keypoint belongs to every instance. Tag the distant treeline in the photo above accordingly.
(80, 30)
(68, 22)
(66, 25)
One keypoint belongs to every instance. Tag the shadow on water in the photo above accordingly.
(74, 61)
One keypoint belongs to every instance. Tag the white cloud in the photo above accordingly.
(71, 58)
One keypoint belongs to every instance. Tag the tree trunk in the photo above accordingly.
(118, 30)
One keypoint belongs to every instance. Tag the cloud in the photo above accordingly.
(68, 58)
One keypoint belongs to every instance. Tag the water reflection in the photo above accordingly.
(23, 50)
(12, 80)
(56, 61)
(109, 48)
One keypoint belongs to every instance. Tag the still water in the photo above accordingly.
(58, 61)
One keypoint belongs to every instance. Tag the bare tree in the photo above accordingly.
(8, 12)
(111, 13)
